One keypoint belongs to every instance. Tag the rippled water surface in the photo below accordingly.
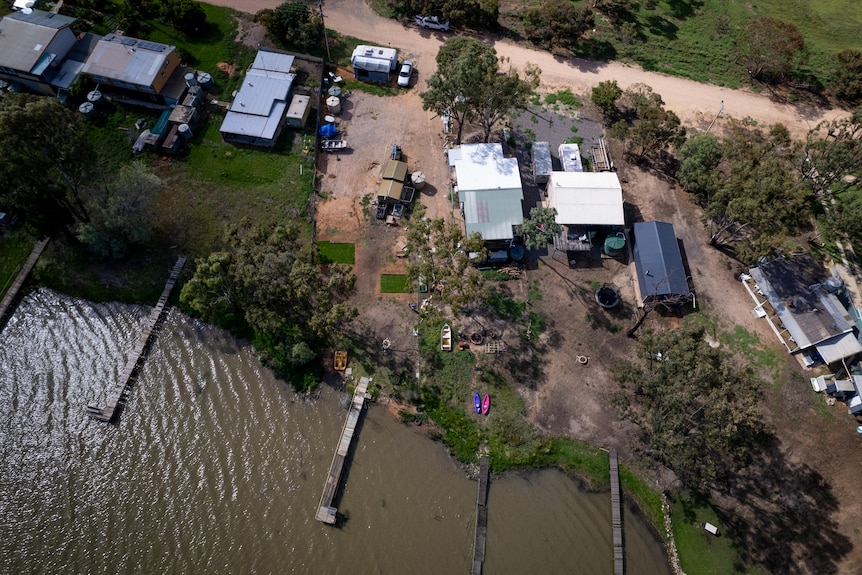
(217, 467)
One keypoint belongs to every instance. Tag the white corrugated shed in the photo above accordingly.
(586, 198)
(259, 106)
(489, 186)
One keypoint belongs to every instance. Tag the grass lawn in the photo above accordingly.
(395, 283)
(328, 252)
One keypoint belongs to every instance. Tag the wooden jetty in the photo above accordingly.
(10, 296)
(118, 392)
(325, 511)
(481, 518)
(617, 515)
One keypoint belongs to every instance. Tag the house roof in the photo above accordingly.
(812, 315)
(658, 260)
(261, 101)
(126, 59)
(489, 185)
(586, 198)
(24, 39)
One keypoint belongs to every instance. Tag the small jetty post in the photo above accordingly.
(10, 296)
(117, 393)
(617, 514)
(325, 511)
(481, 517)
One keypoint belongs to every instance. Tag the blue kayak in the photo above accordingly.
(477, 402)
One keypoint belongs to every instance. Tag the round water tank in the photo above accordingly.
(87, 109)
(95, 97)
(190, 79)
(205, 80)
(517, 252)
(185, 131)
(418, 179)
(607, 297)
(833, 284)
(333, 104)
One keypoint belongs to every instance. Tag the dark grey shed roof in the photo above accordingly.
(658, 260)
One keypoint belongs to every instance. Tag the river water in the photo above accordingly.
(217, 467)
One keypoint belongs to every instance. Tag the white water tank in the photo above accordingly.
(185, 131)
(190, 79)
(95, 97)
(88, 110)
(333, 104)
(418, 179)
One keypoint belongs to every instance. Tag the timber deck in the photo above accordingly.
(481, 518)
(617, 515)
(118, 393)
(326, 512)
(25, 270)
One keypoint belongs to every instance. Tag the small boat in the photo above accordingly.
(446, 338)
(333, 145)
(477, 402)
(340, 362)
(486, 404)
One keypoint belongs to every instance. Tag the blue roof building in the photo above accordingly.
(658, 261)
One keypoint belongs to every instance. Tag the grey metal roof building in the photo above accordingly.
(814, 317)
(658, 261)
(257, 114)
(131, 63)
(33, 45)
(489, 187)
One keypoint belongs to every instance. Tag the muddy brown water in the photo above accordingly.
(217, 467)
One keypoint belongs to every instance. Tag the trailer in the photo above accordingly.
(374, 63)
(333, 145)
(542, 165)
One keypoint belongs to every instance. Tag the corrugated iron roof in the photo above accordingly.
(489, 185)
(24, 39)
(586, 198)
(658, 260)
(126, 59)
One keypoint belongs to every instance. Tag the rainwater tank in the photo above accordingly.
(333, 104)
(185, 131)
(95, 98)
(190, 79)
(205, 80)
(88, 110)
(418, 179)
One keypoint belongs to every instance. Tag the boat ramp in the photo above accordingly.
(325, 510)
(118, 392)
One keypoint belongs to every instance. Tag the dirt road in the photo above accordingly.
(695, 103)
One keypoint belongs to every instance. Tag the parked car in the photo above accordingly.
(432, 23)
(405, 73)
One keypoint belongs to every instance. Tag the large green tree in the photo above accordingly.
(264, 279)
(605, 97)
(540, 228)
(771, 49)
(295, 25)
(45, 161)
(846, 76)
(121, 211)
(469, 85)
(442, 257)
(696, 409)
(186, 15)
(557, 24)
(649, 129)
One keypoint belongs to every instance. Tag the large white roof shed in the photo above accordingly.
(586, 198)
(489, 186)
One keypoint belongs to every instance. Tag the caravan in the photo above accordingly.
(373, 63)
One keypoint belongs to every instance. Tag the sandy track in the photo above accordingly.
(694, 102)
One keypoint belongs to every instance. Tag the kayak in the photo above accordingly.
(477, 402)
(486, 404)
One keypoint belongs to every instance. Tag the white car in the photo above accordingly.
(405, 73)
(432, 23)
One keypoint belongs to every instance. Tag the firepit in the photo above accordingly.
(477, 338)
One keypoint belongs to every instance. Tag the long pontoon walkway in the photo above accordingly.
(325, 511)
(617, 515)
(481, 518)
(116, 394)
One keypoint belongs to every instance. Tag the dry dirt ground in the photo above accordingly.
(817, 451)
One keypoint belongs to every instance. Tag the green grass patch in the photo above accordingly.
(328, 252)
(395, 283)
(565, 98)
(15, 248)
(647, 498)
(505, 306)
(700, 553)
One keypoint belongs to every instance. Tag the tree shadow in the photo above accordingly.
(781, 513)
(683, 9)
(660, 26)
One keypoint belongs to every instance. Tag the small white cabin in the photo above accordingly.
(374, 63)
